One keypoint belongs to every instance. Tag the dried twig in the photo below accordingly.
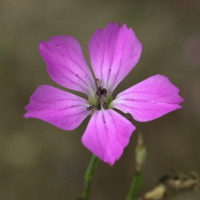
(173, 184)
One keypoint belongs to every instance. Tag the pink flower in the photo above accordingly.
(114, 52)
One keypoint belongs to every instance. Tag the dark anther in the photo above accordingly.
(104, 105)
(129, 116)
(101, 92)
(104, 92)
(90, 107)
(98, 92)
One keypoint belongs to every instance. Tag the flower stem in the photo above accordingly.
(140, 156)
(135, 185)
(88, 175)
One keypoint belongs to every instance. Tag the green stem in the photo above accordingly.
(135, 185)
(88, 175)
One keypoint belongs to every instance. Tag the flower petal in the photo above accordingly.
(57, 107)
(66, 64)
(107, 134)
(149, 99)
(113, 54)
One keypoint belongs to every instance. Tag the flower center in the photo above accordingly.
(100, 98)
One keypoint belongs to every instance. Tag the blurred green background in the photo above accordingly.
(39, 161)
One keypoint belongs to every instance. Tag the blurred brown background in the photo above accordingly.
(39, 161)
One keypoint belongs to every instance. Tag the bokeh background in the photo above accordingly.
(39, 161)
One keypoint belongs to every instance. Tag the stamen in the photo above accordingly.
(90, 107)
(99, 83)
(100, 94)
(98, 106)
(104, 92)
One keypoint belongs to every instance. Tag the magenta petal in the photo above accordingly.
(149, 99)
(107, 134)
(66, 64)
(114, 52)
(59, 108)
